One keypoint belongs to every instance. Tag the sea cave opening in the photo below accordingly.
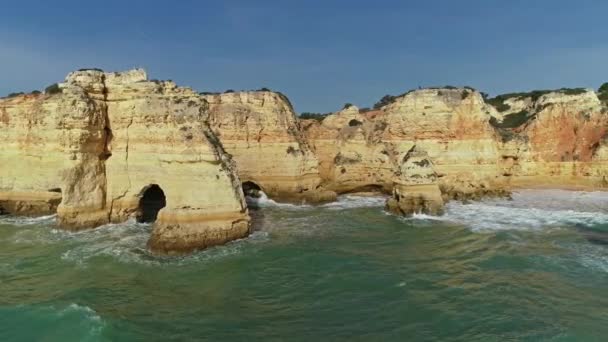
(152, 200)
(250, 189)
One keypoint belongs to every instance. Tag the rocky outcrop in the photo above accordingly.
(111, 146)
(358, 150)
(478, 148)
(352, 155)
(554, 139)
(415, 189)
(260, 130)
(106, 140)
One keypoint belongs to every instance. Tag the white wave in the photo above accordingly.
(93, 321)
(528, 210)
(28, 221)
(482, 216)
(264, 201)
(342, 202)
(421, 216)
(82, 309)
(354, 201)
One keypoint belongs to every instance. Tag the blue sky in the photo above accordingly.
(320, 53)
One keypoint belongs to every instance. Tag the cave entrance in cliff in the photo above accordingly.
(253, 194)
(252, 190)
(152, 200)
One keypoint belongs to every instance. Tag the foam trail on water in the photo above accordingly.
(264, 202)
(354, 201)
(529, 210)
(343, 202)
(27, 221)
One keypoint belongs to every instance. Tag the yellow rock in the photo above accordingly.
(110, 138)
(260, 130)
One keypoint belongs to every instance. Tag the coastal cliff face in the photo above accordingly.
(540, 139)
(112, 146)
(557, 139)
(450, 125)
(260, 130)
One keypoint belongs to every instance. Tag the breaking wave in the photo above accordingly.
(529, 210)
(342, 202)
(27, 221)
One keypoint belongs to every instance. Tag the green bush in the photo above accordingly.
(512, 120)
(347, 105)
(315, 116)
(52, 89)
(603, 88)
(15, 94)
(385, 100)
(90, 69)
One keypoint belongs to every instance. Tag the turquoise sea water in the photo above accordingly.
(534, 268)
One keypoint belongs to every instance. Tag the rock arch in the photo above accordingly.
(151, 200)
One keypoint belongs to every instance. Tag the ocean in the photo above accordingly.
(534, 268)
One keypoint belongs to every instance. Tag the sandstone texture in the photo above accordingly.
(114, 146)
(261, 132)
(557, 139)
(359, 150)
(416, 189)
(107, 138)
(554, 140)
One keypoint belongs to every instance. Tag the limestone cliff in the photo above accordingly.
(110, 146)
(450, 125)
(554, 139)
(107, 139)
(352, 157)
(416, 189)
(478, 148)
(260, 130)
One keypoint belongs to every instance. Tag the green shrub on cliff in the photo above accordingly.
(512, 120)
(15, 94)
(602, 93)
(90, 69)
(385, 100)
(315, 116)
(52, 89)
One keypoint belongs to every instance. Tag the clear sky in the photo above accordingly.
(319, 53)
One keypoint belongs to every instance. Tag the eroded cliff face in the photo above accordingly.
(555, 140)
(95, 152)
(545, 139)
(105, 141)
(352, 155)
(260, 130)
(450, 125)
(416, 189)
